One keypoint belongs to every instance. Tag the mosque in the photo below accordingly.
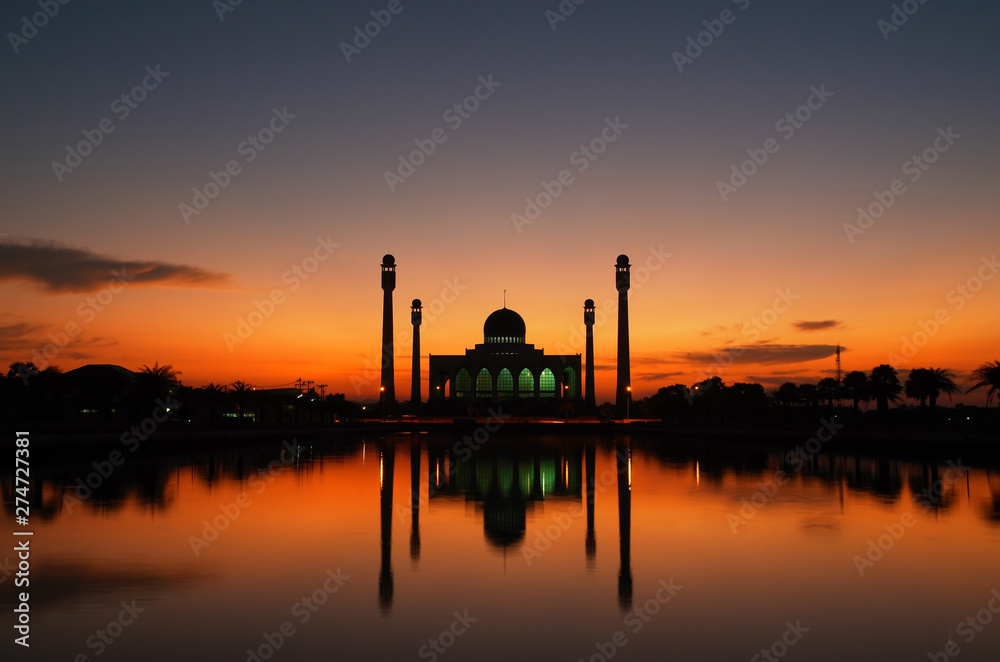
(504, 366)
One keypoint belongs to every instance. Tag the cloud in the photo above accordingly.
(763, 353)
(60, 269)
(803, 325)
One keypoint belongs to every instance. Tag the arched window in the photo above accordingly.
(569, 379)
(484, 384)
(505, 384)
(463, 384)
(547, 384)
(526, 384)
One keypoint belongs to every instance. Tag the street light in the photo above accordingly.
(381, 400)
(628, 403)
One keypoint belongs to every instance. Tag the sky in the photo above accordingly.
(784, 177)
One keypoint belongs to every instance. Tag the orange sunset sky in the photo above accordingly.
(654, 159)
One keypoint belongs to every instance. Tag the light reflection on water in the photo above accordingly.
(532, 547)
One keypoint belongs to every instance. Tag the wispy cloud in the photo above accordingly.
(803, 325)
(765, 353)
(59, 269)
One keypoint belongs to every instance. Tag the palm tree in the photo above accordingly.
(240, 388)
(885, 386)
(809, 395)
(988, 374)
(925, 384)
(828, 388)
(856, 388)
(213, 394)
(155, 382)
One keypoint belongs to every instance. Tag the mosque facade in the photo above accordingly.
(504, 367)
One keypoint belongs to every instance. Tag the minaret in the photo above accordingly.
(589, 400)
(624, 393)
(387, 463)
(388, 371)
(416, 316)
(623, 452)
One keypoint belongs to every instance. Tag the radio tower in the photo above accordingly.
(838, 375)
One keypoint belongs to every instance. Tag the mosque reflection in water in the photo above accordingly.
(504, 485)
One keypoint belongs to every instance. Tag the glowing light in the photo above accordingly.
(630, 469)
(380, 471)
(697, 473)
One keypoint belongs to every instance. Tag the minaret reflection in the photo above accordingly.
(624, 455)
(386, 462)
(415, 498)
(591, 542)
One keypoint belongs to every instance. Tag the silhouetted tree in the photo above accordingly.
(925, 384)
(988, 374)
(857, 389)
(885, 386)
(809, 395)
(241, 390)
(828, 389)
(672, 404)
(214, 395)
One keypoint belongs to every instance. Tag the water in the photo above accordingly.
(414, 547)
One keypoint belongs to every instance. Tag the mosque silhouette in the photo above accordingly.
(505, 367)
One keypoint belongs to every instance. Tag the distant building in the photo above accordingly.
(504, 367)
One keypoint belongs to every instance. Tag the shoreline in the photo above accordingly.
(979, 444)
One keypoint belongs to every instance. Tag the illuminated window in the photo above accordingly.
(569, 378)
(505, 384)
(526, 384)
(463, 384)
(547, 384)
(484, 384)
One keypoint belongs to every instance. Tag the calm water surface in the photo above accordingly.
(414, 547)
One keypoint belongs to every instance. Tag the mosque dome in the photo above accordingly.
(503, 326)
